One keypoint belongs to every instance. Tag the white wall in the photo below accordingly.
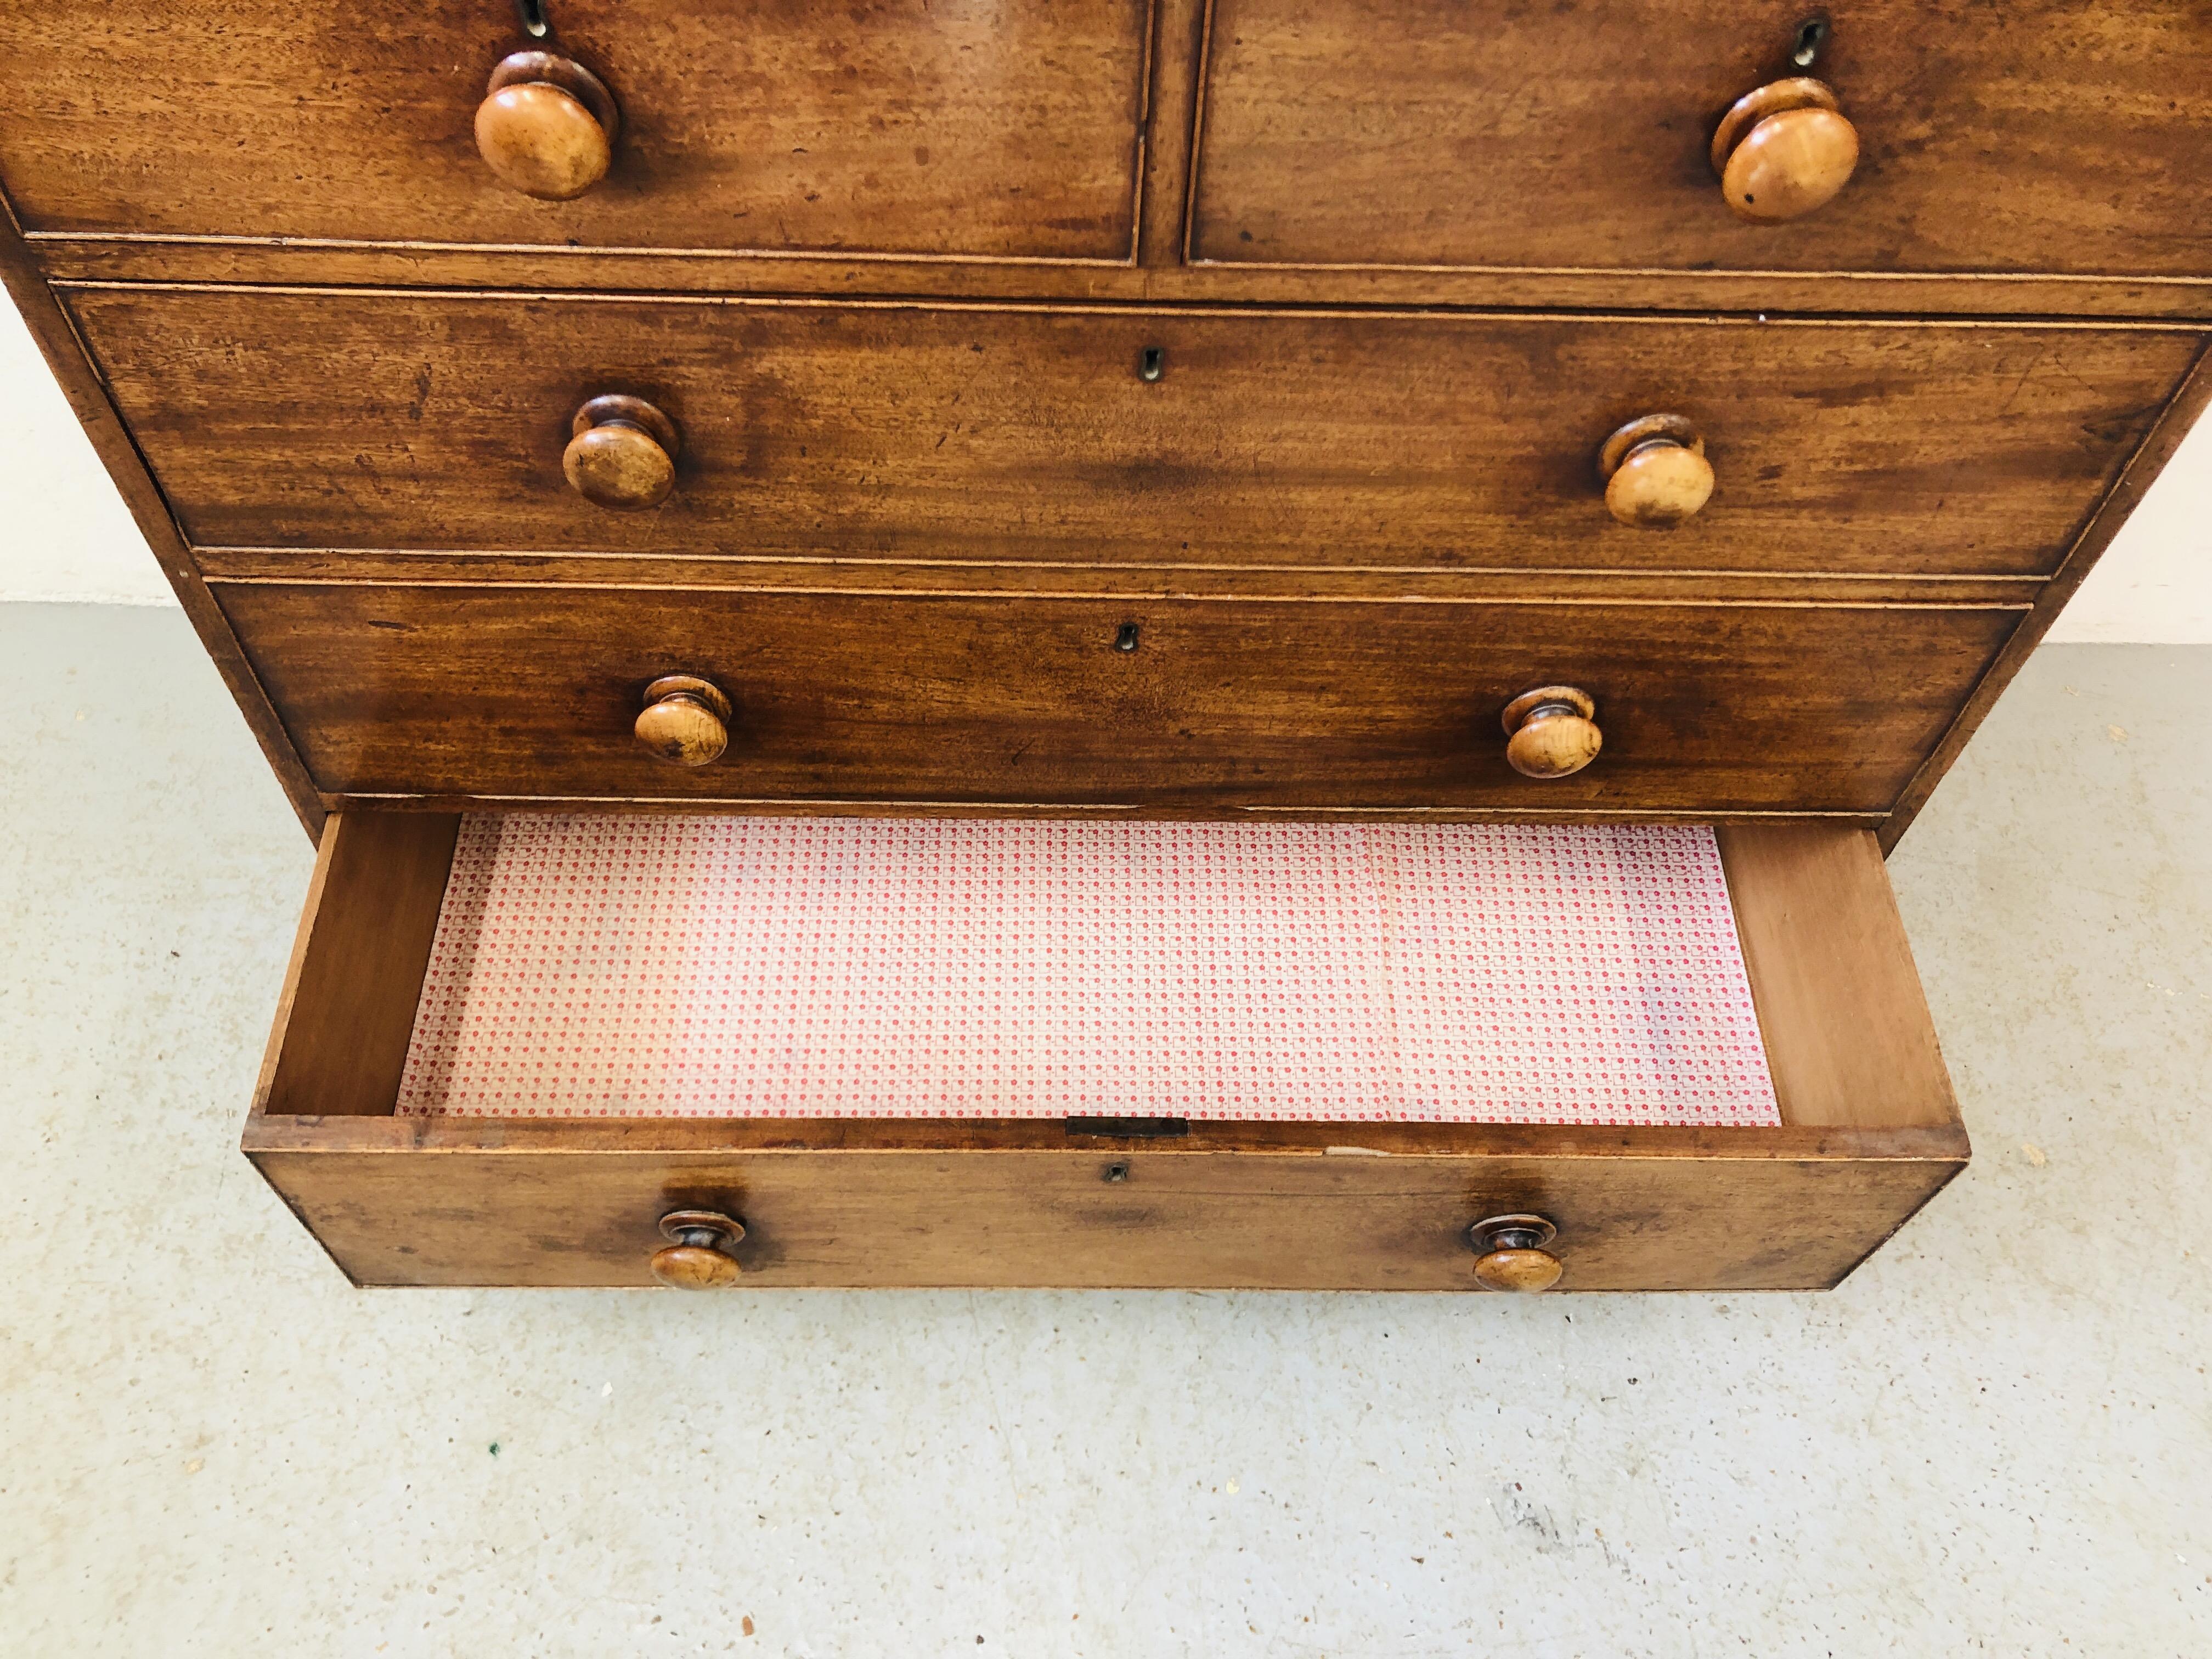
(65, 534)
(2154, 583)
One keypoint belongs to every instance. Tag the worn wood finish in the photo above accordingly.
(1194, 812)
(1278, 703)
(63, 352)
(547, 126)
(1170, 119)
(541, 1203)
(1525, 1271)
(964, 128)
(698, 1257)
(1513, 1257)
(1659, 486)
(348, 1006)
(325, 420)
(168, 210)
(1072, 579)
(685, 720)
(621, 454)
(2049, 137)
(1783, 150)
(912, 532)
(1849, 1040)
(1551, 731)
(261, 262)
(1654, 472)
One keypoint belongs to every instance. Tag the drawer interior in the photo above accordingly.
(665, 966)
(736, 966)
(1781, 1105)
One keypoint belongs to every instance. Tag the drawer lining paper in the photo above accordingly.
(684, 966)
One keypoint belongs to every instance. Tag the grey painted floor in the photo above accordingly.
(1997, 1438)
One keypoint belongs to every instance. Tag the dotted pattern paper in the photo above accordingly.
(652, 967)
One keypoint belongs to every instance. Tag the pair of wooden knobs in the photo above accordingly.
(547, 128)
(1510, 1252)
(622, 455)
(1550, 732)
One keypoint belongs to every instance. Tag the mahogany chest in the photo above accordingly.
(1113, 642)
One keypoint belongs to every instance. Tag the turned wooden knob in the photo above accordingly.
(685, 719)
(1654, 472)
(1510, 1254)
(1783, 150)
(547, 126)
(622, 453)
(696, 1256)
(1551, 730)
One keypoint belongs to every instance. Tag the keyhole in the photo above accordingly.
(534, 23)
(1812, 35)
(1126, 639)
(1151, 366)
(1117, 1172)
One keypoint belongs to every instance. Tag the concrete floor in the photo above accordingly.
(1994, 1438)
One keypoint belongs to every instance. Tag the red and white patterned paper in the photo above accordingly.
(652, 967)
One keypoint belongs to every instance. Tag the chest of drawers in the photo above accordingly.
(1285, 426)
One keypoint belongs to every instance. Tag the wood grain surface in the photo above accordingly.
(2040, 135)
(1004, 128)
(348, 1007)
(1072, 579)
(326, 420)
(531, 691)
(433, 1204)
(262, 261)
(1848, 1039)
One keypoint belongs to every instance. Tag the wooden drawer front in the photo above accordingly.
(2045, 136)
(536, 1203)
(531, 691)
(323, 420)
(1870, 1131)
(956, 128)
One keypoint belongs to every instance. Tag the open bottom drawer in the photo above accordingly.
(1292, 1056)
